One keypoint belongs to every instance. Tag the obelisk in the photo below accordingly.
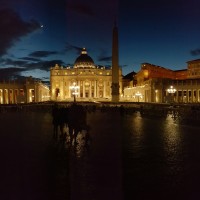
(115, 66)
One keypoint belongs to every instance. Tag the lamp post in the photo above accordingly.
(74, 88)
(171, 91)
(138, 94)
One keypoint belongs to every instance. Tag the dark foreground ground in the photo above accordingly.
(127, 157)
(35, 166)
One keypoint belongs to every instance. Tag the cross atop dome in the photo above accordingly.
(83, 51)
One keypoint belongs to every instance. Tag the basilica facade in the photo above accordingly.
(84, 80)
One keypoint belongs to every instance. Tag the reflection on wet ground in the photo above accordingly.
(120, 157)
(101, 165)
(161, 158)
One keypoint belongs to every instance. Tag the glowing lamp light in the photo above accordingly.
(146, 74)
(74, 88)
(138, 94)
(171, 90)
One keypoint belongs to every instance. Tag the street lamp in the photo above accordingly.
(74, 88)
(138, 94)
(171, 91)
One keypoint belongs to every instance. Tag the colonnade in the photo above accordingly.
(93, 89)
(187, 96)
(10, 96)
(84, 89)
(13, 96)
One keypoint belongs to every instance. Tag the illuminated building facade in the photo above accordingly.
(27, 91)
(153, 84)
(93, 82)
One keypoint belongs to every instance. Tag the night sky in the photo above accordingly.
(37, 34)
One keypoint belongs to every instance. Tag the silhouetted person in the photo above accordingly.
(76, 121)
(87, 137)
(63, 121)
(122, 110)
(141, 109)
(55, 121)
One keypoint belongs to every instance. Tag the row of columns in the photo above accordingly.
(187, 96)
(180, 96)
(9, 96)
(13, 96)
(162, 96)
(93, 90)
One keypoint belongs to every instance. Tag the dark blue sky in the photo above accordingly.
(37, 34)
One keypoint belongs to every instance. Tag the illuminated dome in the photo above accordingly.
(84, 61)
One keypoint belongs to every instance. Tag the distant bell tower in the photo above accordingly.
(115, 66)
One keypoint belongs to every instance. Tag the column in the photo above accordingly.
(83, 89)
(35, 92)
(192, 96)
(3, 96)
(61, 88)
(95, 89)
(176, 96)
(6, 96)
(90, 94)
(68, 84)
(11, 94)
(79, 90)
(182, 95)
(104, 89)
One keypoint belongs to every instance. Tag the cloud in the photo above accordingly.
(70, 47)
(14, 68)
(69, 64)
(195, 52)
(30, 59)
(124, 66)
(13, 28)
(10, 73)
(30, 65)
(105, 59)
(44, 65)
(40, 54)
(10, 62)
(14, 73)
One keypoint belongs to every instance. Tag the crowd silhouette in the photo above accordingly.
(69, 121)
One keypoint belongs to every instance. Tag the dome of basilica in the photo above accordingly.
(84, 61)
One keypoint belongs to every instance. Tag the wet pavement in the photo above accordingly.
(26, 156)
(36, 166)
(127, 157)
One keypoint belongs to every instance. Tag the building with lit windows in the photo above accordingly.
(160, 85)
(27, 91)
(89, 82)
